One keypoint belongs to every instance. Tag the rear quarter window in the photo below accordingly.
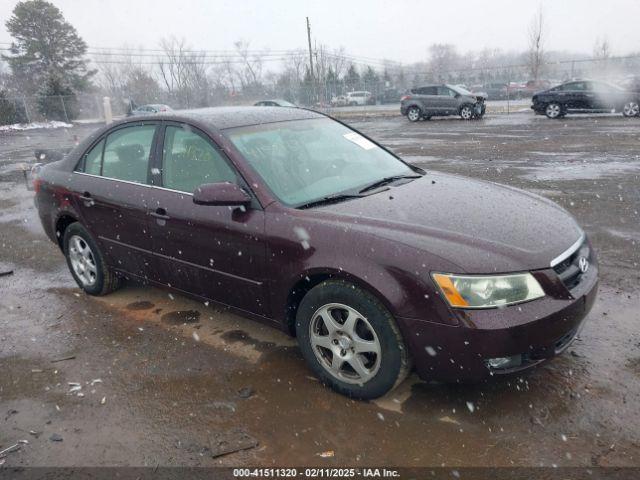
(92, 160)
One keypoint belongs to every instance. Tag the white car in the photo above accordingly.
(361, 97)
(339, 101)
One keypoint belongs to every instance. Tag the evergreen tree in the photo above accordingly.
(57, 101)
(352, 78)
(45, 48)
(7, 110)
(370, 79)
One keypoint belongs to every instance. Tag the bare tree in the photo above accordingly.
(183, 72)
(250, 75)
(537, 37)
(443, 60)
(602, 49)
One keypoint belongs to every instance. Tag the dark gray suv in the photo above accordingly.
(441, 100)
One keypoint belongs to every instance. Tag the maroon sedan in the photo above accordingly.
(294, 219)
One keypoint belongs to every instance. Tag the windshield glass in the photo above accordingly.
(460, 90)
(306, 160)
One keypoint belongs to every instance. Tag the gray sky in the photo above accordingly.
(399, 30)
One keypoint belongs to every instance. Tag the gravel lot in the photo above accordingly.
(169, 397)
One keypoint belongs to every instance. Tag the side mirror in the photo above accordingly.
(221, 194)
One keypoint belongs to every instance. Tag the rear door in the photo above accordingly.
(215, 252)
(607, 97)
(111, 187)
(428, 99)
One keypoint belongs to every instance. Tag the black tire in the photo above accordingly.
(106, 281)
(394, 362)
(414, 113)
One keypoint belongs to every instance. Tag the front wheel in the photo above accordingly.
(86, 262)
(553, 110)
(466, 112)
(414, 114)
(350, 340)
(631, 109)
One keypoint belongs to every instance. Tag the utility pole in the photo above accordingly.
(313, 83)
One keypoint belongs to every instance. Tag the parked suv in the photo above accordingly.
(585, 96)
(360, 98)
(431, 100)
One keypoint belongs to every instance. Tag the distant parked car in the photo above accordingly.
(151, 109)
(277, 102)
(360, 98)
(389, 95)
(339, 101)
(496, 91)
(585, 96)
(441, 100)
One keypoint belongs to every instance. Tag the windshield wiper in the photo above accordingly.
(330, 199)
(386, 181)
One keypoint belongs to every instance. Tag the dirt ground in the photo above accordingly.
(169, 381)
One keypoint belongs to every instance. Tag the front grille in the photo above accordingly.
(569, 270)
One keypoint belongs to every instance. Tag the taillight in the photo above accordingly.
(405, 97)
(34, 175)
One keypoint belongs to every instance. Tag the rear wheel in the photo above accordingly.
(631, 109)
(414, 114)
(350, 340)
(466, 112)
(86, 262)
(553, 110)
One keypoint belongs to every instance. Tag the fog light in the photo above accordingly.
(504, 363)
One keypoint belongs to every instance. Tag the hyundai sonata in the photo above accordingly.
(294, 219)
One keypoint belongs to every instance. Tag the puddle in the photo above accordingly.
(180, 317)
(142, 305)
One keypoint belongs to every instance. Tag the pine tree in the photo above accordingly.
(57, 101)
(45, 47)
(7, 110)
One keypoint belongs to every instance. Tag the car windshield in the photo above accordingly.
(304, 161)
(460, 90)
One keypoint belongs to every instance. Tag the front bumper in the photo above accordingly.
(531, 332)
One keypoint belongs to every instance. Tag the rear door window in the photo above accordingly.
(127, 152)
(190, 160)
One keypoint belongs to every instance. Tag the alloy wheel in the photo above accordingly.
(631, 109)
(553, 110)
(345, 343)
(82, 260)
(466, 113)
(413, 114)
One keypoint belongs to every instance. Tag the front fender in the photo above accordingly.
(302, 247)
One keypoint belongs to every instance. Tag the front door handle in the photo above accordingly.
(160, 214)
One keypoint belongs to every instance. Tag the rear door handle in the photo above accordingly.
(86, 198)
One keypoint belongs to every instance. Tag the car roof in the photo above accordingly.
(230, 117)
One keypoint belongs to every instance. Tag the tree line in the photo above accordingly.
(48, 60)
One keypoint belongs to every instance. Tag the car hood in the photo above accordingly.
(479, 227)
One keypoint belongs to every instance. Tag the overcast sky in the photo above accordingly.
(399, 29)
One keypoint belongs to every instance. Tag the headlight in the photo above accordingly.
(465, 291)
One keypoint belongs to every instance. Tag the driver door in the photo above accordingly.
(447, 100)
(215, 252)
